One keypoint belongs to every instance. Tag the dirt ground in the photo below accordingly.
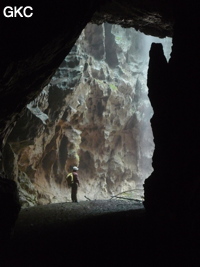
(95, 233)
(65, 213)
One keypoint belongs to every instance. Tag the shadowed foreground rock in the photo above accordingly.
(9, 208)
(98, 233)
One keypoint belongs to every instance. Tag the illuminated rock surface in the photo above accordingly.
(95, 113)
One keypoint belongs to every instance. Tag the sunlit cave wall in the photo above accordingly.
(95, 113)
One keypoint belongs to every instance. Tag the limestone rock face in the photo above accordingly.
(28, 63)
(94, 113)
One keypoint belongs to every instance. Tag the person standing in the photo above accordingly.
(73, 183)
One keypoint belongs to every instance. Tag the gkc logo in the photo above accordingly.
(13, 12)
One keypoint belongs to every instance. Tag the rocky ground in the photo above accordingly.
(114, 232)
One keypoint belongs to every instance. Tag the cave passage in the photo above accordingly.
(89, 115)
(94, 113)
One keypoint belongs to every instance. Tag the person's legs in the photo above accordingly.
(74, 193)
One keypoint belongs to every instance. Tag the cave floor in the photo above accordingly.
(97, 233)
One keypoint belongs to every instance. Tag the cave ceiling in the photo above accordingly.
(31, 49)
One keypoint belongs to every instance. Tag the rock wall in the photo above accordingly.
(94, 113)
(174, 186)
(28, 63)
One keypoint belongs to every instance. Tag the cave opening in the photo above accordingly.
(170, 235)
(94, 113)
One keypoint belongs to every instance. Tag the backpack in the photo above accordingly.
(69, 179)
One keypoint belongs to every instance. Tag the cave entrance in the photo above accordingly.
(94, 113)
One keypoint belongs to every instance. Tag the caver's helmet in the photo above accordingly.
(75, 168)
